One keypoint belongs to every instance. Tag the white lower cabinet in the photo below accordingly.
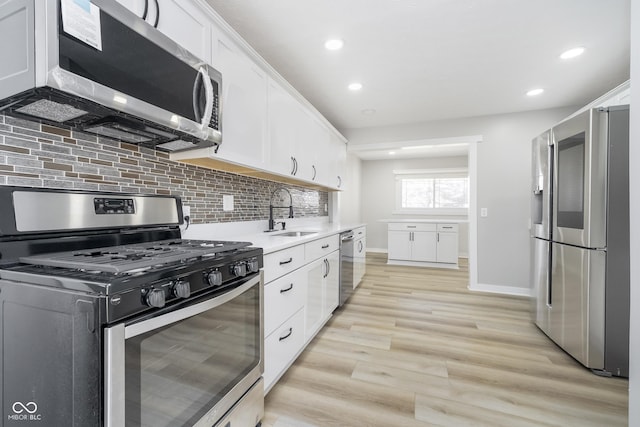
(431, 244)
(282, 346)
(323, 292)
(301, 291)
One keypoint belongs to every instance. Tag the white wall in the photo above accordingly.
(634, 190)
(504, 163)
(378, 196)
(349, 199)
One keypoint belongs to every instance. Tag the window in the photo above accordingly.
(443, 191)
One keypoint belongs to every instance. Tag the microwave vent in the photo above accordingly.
(176, 145)
(50, 110)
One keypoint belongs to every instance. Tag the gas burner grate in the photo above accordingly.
(135, 257)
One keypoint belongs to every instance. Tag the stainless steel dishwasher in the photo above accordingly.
(347, 250)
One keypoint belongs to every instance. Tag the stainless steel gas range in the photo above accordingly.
(109, 318)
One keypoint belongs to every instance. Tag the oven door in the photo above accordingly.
(186, 367)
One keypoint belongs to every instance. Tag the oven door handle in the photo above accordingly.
(115, 336)
(186, 312)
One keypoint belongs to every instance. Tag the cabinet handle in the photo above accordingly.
(326, 269)
(339, 181)
(155, 25)
(447, 227)
(146, 10)
(293, 165)
(314, 173)
(360, 246)
(325, 246)
(286, 262)
(411, 226)
(438, 236)
(289, 332)
(282, 291)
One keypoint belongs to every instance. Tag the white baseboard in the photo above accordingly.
(377, 250)
(500, 289)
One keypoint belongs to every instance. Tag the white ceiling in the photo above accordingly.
(422, 60)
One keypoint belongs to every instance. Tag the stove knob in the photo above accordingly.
(214, 278)
(239, 269)
(181, 289)
(155, 298)
(253, 265)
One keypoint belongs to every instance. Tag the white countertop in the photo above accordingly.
(428, 221)
(253, 231)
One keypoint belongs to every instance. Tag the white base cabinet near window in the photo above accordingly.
(423, 244)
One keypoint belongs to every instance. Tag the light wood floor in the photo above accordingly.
(414, 347)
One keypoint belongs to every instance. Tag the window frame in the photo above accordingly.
(399, 175)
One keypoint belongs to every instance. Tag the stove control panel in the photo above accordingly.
(103, 205)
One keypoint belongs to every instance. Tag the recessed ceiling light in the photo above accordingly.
(572, 53)
(535, 92)
(368, 111)
(355, 86)
(391, 153)
(334, 44)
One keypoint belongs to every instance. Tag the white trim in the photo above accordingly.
(473, 214)
(500, 289)
(441, 171)
(377, 250)
(423, 264)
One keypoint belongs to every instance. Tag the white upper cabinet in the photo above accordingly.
(244, 104)
(286, 125)
(267, 128)
(184, 22)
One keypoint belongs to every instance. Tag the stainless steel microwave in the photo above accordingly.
(94, 66)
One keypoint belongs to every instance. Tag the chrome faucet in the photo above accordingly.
(272, 223)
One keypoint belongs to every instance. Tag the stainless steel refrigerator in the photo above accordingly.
(580, 237)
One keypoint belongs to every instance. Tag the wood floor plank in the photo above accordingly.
(414, 347)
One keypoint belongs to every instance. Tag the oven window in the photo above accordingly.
(175, 374)
(571, 182)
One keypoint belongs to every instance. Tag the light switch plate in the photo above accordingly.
(227, 202)
(484, 212)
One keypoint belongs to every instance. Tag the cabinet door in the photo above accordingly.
(448, 247)
(314, 298)
(244, 114)
(282, 346)
(424, 246)
(185, 23)
(399, 245)
(282, 116)
(332, 283)
(282, 298)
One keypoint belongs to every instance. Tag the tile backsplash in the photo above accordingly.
(38, 155)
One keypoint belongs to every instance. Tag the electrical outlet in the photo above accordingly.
(227, 203)
(484, 212)
(186, 211)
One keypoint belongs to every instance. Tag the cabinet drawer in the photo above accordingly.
(452, 228)
(359, 232)
(281, 346)
(407, 226)
(321, 247)
(279, 263)
(282, 298)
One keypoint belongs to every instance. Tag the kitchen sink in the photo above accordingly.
(295, 233)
